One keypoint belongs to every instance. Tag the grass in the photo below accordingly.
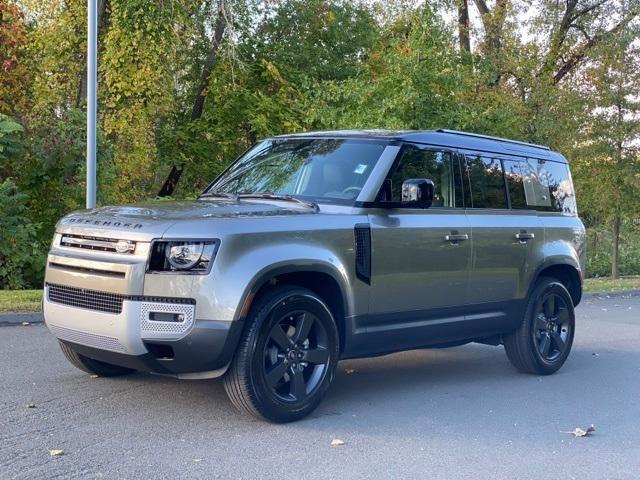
(29, 300)
(606, 284)
(20, 300)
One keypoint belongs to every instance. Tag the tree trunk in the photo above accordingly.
(615, 273)
(463, 26)
(493, 23)
(169, 185)
(221, 23)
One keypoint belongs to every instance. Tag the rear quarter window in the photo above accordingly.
(548, 186)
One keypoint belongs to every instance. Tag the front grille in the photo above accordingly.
(103, 301)
(89, 299)
(98, 243)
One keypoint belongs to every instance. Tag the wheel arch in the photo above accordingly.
(567, 272)
(318, 278)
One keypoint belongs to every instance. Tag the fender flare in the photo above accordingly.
(267, 273)
(557, 262)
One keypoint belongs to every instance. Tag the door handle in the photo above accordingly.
(524, 236)
(456, 237)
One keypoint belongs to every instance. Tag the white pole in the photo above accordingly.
(92, 80)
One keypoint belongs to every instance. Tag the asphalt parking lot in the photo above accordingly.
(437, 414)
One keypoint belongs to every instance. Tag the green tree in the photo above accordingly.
(608, 173)
(14, 72)
(10, 139)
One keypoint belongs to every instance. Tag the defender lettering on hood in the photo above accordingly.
(99, 223)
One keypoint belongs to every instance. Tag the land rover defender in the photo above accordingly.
(321, 246)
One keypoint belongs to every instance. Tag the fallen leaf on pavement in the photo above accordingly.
(579, 432)
(349, 371)
(54, 452)
(336, 441)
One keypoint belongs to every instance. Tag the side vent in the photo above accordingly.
(363, 252)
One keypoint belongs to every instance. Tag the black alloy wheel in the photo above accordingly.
(296, 356)
(287, 356)
(552, 326)
(542, 342)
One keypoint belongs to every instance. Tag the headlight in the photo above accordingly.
(182, 256)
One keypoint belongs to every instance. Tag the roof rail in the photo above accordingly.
(488, 137)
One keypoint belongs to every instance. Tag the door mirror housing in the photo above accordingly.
(417, 192)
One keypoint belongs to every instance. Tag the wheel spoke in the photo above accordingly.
(545, 344)
(557, 340)
(276, 373)
(563, 315)
(541, 323)
(317, 356)
(303, 327)
(550, 306)
(280, 338)
(298, 388)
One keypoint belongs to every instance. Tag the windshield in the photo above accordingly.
(333, 170)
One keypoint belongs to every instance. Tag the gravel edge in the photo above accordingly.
(19, 318)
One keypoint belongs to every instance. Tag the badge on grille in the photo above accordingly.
(124, 246)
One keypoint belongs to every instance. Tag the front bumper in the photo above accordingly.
(129, 337)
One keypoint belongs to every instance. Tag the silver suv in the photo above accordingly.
(316, 247)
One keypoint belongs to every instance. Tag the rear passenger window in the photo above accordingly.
(487, 182)
(515, 183)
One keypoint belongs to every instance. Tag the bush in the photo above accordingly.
(52, 170)
(21, 256)
(599, 248)
(10, 141)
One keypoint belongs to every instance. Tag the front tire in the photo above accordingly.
(542, 343)
(286, 358)
(92, 366)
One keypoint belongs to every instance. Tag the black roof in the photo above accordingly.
(444, 138)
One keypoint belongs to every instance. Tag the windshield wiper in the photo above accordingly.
(286, 198)
(230, 196)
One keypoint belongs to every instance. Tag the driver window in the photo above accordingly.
(436, 165)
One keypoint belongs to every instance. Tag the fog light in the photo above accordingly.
(166, 317)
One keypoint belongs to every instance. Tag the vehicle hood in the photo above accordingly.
(145, 221)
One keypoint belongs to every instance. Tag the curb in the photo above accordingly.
(8, 319)
(611, 294)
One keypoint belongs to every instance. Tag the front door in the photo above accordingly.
(420, 257)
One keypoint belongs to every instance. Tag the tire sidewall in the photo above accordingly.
(545, 287)
(288, 299)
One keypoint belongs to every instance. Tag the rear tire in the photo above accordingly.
(286, 358)
(91, 366)
(543, 341)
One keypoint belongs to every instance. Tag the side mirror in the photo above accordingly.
(417, 192)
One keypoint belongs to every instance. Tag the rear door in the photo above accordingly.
(506, 233)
